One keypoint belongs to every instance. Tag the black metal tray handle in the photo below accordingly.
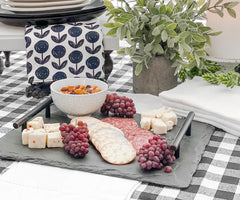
(23, 121)
(184, 129)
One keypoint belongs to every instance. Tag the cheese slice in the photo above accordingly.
(54, 139)
(160, 112)
(25, 135)
(149, 114)
(36, 123)
(50, 128)
(170, 116)
(146, 122)
(169, 125)
(37, 139)
(158, 126)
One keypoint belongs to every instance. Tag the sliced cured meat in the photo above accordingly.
(138, 132)
(129, 130)
(139, 141)
(121, 123)
(137, 136)
(126, 125)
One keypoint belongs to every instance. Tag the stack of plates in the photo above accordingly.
(27, 12)
(30, 6)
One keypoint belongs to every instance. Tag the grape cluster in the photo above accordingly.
(156, 154)
(119, 106)
(38, 91)
(75, 139)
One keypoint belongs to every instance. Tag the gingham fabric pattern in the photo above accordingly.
(217, 176)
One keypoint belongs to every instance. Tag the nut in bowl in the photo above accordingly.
(74, 104)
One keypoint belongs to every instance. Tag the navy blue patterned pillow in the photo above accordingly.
(64, 50)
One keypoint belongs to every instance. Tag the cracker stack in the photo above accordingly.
(109, 141)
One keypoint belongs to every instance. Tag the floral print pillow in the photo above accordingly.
(64, 50)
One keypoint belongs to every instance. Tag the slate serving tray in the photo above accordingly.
(191, 150)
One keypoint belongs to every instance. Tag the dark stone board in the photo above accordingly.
(191, 150)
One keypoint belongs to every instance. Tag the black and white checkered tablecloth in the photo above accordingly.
(217, 176)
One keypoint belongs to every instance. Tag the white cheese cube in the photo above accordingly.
(36, 123)
(54, 139)
(158, 126)
(39, 119)
(151, 114)
(169, 125)
(145, 123)
(37, 139)
(161, 111)
(157, 113)
(52, 127)
(170, 116)
(164, 109)
(159, 116)
(25, 135)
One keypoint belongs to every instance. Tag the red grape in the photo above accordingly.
(119, 106)
(75, 139)
(168, 169)
(156, 154)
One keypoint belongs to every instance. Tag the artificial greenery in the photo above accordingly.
(173, 29)
(229, 79)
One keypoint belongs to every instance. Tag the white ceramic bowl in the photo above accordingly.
(78, 104)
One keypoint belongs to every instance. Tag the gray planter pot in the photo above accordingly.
(157, 78)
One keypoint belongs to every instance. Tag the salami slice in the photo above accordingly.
(139, 141)
(120, 122)
(126, 125)
(137, 136)
(138, 132)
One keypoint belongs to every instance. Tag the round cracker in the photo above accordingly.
(105, 130)
(118, 154)
(100, 143)
(85, 119)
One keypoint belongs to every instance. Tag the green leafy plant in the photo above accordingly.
(229, 79)
(173, 29)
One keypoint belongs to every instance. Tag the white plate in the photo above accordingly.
(41, 4)
(38, 9)
(30, 1)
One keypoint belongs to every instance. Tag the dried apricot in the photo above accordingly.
(64, 88)
(80, 89)
(70, 88)
(83, 87)
(77, 86)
